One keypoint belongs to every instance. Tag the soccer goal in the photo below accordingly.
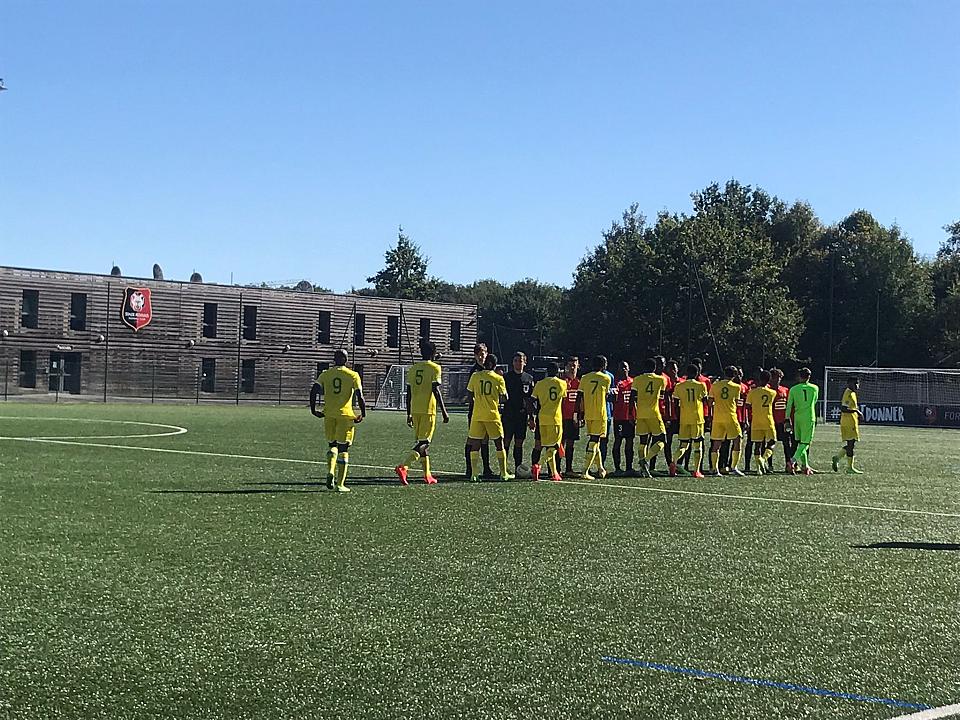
(453, 387)
(917, 397)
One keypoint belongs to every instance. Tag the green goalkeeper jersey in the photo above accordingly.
(802, 402)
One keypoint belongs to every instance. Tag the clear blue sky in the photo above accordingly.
(280, 140)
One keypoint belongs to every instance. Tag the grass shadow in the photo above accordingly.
(900, 545)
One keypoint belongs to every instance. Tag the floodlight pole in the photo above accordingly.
(239, 339)
(106, 347)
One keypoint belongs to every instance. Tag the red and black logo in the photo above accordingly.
(137, 312)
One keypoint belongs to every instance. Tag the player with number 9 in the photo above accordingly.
(339, 386)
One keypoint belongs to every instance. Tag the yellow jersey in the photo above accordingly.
(691, 394)
(725, 394)
(421, 379)
(760, 400)
(338, 383)
(647, 389)
(549, 392)
(850, 401)
(595, 386)
(487, 387)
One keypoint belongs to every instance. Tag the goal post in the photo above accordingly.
(453, 387)
(910, 397)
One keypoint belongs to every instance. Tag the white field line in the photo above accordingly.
(932, 713)
(641, 488)
(174, 429)
(757, 498)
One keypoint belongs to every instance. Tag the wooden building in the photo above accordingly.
(65, 332)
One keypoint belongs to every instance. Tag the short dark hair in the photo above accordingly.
(600, 362)
(428, 349)
(729, 372)
(693, 371)
(764, 377)
(340, 357)
(650, 365)
(776, 371)
(491, 362)
(853, 380)
(804, 373)
(553, 369)
(521, 355)
(478, 347)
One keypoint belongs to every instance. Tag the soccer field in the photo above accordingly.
(222, 580)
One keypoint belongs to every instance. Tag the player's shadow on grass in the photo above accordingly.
(900, 545)
(240, 491)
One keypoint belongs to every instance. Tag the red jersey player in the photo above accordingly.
(568, 409)
(624, 420)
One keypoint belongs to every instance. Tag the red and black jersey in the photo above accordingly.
(623, 408)
(669, 409)
(568, 406)
(780, 404)
(743, 410)
(709, 383)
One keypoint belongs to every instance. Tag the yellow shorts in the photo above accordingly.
(339, 429)
(692, 431)
(724, 430)
(550, 434)
(424, 425)
(597, 427)
(762, 434)
(651, 426)
(849, 431)
(481, 429)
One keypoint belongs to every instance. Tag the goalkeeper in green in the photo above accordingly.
(801, 405)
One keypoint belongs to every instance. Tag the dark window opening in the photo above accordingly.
(323, 327)
(28, 368)
(455, 331)
(78, 311)
(358, 369)
(393, 331)
(359, 329)
(424, 328)
(30, 310)
(248, 376)
(249, 322)
(208, 374)
(209, 320)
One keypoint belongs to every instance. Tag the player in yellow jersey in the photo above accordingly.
(487, 390)
(647, 388)
(849, 427)
(723, 398)
(763, 431)
(592, 400)
(545, 405)
(339, 386)
(691, 393)
(423, 398)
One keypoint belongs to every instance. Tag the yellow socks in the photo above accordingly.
(475, 466)
(551, 460)
(411, 459)
(342, 461)
(653, 450)
(331, 461)
(714, 459)
(697, 458)
(502, 461)
(850, 461)
(734, 459)
(425, 461)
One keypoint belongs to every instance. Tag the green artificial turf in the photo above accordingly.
(137, 584)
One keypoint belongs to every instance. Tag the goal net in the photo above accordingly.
(453, 387)
(918, 397)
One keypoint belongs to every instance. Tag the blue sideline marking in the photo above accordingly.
(764, 683)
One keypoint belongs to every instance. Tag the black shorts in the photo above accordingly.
(673, 426)
(571, 430)
(626, 429)
(514, 427)
(783, 435)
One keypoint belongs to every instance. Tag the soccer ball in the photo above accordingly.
(523, 472)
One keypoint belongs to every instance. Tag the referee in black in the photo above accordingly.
(479, 356)
(514, 413)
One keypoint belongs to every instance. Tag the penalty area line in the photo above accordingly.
(758, 498)
(932, 713)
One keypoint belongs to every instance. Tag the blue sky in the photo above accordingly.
(282, 140)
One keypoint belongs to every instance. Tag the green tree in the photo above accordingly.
(945, 280)
(404, 274)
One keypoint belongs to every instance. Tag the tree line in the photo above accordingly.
(743, 278)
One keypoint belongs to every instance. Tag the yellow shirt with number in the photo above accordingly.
(850, 401)
(339, 384)
(760, 400)
(421, 378)
(647, 388)
(725, 394)
(691, 394)
(549, 393)
(487, 386)
(595, 387)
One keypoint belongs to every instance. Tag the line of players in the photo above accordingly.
(654, 406)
